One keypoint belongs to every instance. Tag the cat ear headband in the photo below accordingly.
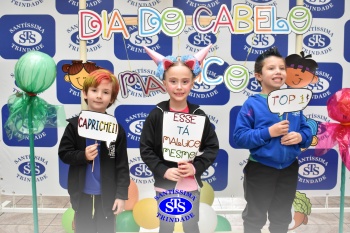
(193, 62)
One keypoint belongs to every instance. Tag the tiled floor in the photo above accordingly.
(12, 221)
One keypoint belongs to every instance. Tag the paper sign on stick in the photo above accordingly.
(182, 135)
(98, 126)
(288, 100)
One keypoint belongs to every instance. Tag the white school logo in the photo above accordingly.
(24, 170)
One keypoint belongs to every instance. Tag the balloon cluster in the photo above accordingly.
(143, 213)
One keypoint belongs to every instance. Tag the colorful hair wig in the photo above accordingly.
(95, 78)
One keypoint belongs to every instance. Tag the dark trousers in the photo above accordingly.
(268, 192)
(189, 226)
(86, 222)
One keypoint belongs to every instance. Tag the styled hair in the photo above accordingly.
(259, 62)
(95, 78)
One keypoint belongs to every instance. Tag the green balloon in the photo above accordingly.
(223, 224)
(125, 222)
(35, 71)
(67, 220)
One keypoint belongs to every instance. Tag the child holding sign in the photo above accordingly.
(271, 174)
(178, 170)
(98, 178)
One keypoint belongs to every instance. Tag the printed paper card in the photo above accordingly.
(98, 126)
(182, 134)
(288, 100)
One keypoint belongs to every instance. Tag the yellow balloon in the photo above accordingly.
(207, 194)
(178, 227)
(145, 213)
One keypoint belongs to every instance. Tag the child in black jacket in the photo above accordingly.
(98, 178)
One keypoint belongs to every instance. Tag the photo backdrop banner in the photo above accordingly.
(51, 26)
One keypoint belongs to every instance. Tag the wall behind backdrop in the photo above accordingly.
(51, 26)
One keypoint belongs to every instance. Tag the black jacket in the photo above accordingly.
(151, 146)
(115, 177)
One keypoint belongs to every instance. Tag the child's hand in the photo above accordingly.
(291, 138)
(91, 152)
(172, 174)
(280, 128)
(186, 169)
(118, 206)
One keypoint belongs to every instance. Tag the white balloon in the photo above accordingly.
(207, 218)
